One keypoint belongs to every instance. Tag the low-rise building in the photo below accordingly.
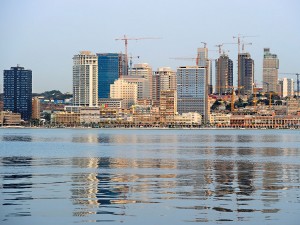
(108, 114)
(264, 121)
(219, 119)
(292, 106)
(89, 115)
(190, 118)
(66, 118)
(110, 103)
(8, 118)
(142, 114)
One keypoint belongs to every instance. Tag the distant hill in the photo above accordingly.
(54, 94)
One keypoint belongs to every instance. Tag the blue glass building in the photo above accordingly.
(111, 66)
(17, 88)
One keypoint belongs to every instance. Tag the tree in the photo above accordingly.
(216, 104)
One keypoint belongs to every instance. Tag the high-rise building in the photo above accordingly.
(163, 79)
(142, 84)
(111, 66)
(168, 105)
(17, 83)
(192, 93)
(286, 87)
(245, 74)
(224, 74)
(270, 71)
(36, 108)
(85, 79)
(122, 89)
(204, 62)
(143, 70)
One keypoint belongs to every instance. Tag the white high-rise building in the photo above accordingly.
(85, 79)
(286, 87)
(122, 89)
(204, 62)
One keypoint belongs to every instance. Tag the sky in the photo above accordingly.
(45, 35)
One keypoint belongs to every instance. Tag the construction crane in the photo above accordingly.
(255, 89)
(243, 45)
(270, 93)
(232, 94)
(298, 82)
(185, 58)
(126, 39)
(204, 43)
(239, 36)
(220, 48)
(191, 59)
(130, 61)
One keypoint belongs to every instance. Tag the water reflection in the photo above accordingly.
(17, 138)
(164, 178)
(17, 188)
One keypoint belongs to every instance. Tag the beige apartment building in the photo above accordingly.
(36, 108)
(143, 70)
(66, 118)
(8, 118)
(168, 105)
(163, 79)
(122, 89)
(270, 71)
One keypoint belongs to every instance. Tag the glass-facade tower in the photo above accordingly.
(192, 90)
(245, 73)
(111, 66)
(17, 88)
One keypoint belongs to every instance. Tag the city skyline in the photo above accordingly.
(44, 35)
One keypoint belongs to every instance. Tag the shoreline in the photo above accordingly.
(150, 128)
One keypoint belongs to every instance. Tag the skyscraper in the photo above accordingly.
(163, 79)
(111, 66)
(142, 84)
(122, 89)
(17, 83)
(224, 74)
(36, 108)
(85, 79)
(168, 105)
(245, 73)
(204, 62)
(286, 87)
(270, 71)
(192, 90)
(143, 70)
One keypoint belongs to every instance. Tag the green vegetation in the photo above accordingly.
(54, 94)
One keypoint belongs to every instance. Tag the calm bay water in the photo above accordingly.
(86, 176)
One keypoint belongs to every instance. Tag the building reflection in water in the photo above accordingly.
(224, 177)
(16, 187)
(228, 179)
(17, 138)
(115, 182)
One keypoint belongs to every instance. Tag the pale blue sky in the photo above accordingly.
(43, 35)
